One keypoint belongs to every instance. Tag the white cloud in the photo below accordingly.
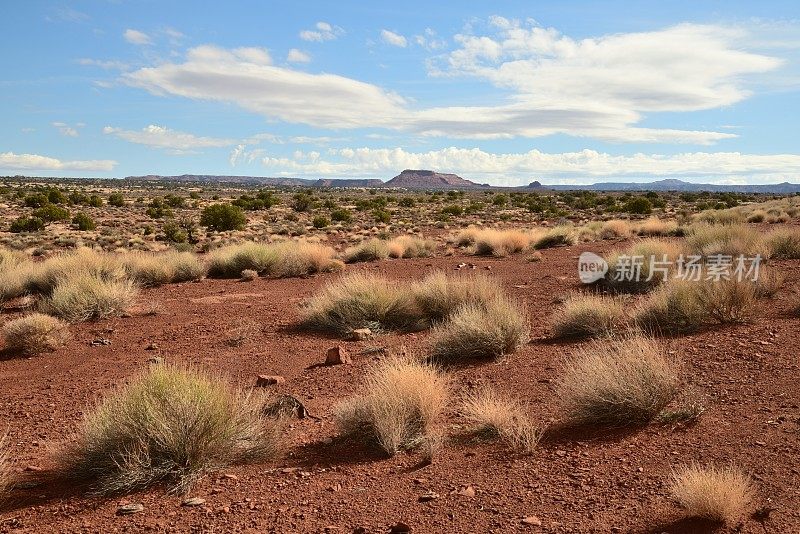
(323, 31)
(297, 56)
(521, 168)
(67, 130)
(599, 88)
(10, 160)
(161, 137)
(429, 40)
(394, 39)
(103, 64)
(136, 37)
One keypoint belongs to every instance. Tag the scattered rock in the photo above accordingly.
(360, 334)
(100, 342)
(128, 509)
(269, 380)
(152, 346)
(193, 501)
(337, 355)
(429, 496)
(399, 528)
(287, 406)
(532, 520)
(466, 491)
(34, 468)
(229, 476)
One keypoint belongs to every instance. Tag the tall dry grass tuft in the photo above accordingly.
(360, 301)
(655, 227)
(728, 301)
(557, 236)
(35, 333)
(370, 250)
(617, 382)
(84, 297)
(784, 243)
(584, 316)
(642, 266)
(155, 269)
(491, 242)
(81, 263)
(481, 330)
(673, 308)
(615, 229)
(438, 295)
(401, 403)
(408, 246)
(719, 494)
(284, 259)
(724, 217)
(169, 426)
(498, 416)
(731, 240)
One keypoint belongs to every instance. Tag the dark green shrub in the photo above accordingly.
(174, 233)
(382, 216)
(83, 222)
(27, 224)
(454, 209)
(95, 201)
(51, 213)
(36, 200)
(223, 217)
(116, 200)
(638, 205)
(341, 215)
(320, 221)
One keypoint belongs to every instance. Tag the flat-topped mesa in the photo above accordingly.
(424, 179)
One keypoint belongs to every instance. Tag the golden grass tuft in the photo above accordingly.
(728, 301)
(10, 259)
(283, 259)
(731, 240)
(657, 257)
(671, 309)
(84, 297)
(498, 416)
(169, 426)
(557, 236)
(721, 217)
(407, 246)
(154, 269)
(371, 250)
(617, 382)
(587, 316)
(35, 333)
(481, 330)
(655, 227)
(720, 494)
(784, 243)
(401, 403)
(438, 295)
(615, 229)
(491, 242)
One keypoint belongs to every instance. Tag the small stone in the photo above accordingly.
(360, 334)
(466, 491)
(34, 468)
(399, 528)
(337, 355)
(532, 520)
(427, 497)
(128, 509)
(99, 342)
(152, 346)
(230, 476)
(193, 501)
(269, 380)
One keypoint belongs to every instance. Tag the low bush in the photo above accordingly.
(371, 250)
(481, 330)
(587, 316)
(617, 382)
(223, 218)
(83, 297)
(83, 222)
(26, 224)
(169, 426)
(51, 213)
(555, 237)
(35, 333)
(401, 403)
(284, 259)
(720, 494)
(784, 244)
(497, 416)
(642, 266)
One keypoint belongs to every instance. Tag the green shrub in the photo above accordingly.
(320, 222)
(116, 200)
(95, 201)
(382, 216)
(341, 215)
(26, 224)
(223, 218)
(51, 213)
(638, 206)
(83, 222)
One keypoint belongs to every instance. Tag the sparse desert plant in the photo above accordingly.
(614, 229)
(84, 297)
(500, 242)
(370, 250)
(35, 333)
(360, 301)
(467, 236)
(728, 301)
(481, 330)
(673, 308)
(730, 240)
(498, 416)
(439, 295)
(10, 259)
(407, 246)
(169, 426)
(284, 259)
(720, 494)
(223, 218)
(586, 316)
(155, 269)
(558, 236)
(655, 227)
(617, 382)
(768, 283)
(642, 266)
(43, 277)
(248, 275)
(784, 243)
(401, 403)
(301, 258)
(721, 217)
(757, 216)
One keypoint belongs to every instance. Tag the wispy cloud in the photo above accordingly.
(297, 56)
(67, 130)
(323, 31)
(10, 160)
(136, 37)
(161, 137)
(394, 39)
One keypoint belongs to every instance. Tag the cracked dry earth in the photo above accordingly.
(746, 375)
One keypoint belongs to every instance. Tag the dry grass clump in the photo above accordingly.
(671, 309)
(614, 229)
(83, 297)
(408, 246)
(728, 301)
(784, 243)
(35, 333)
(721, 217)
(655, 259)
(587, 316)
(439, 295)
(80, 263)
(655, 227)
(617, 382)
(10, 259)
(360, 301)
(730, 240)
(155, 269)
(478, 331)
(284, 259)
(370, 250)
(497, 416)
(6, 469)
(169, 426)
(720, 494)
(401, 403)
(467, 236)
(757, 216)
(558, 236)
(491, 242)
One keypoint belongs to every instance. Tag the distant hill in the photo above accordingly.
(212, 178)
(421, 179)
(348, 182)
(679, 185)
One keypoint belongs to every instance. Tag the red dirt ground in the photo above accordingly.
(747, 376)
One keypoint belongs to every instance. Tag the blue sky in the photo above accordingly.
(498, 92)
